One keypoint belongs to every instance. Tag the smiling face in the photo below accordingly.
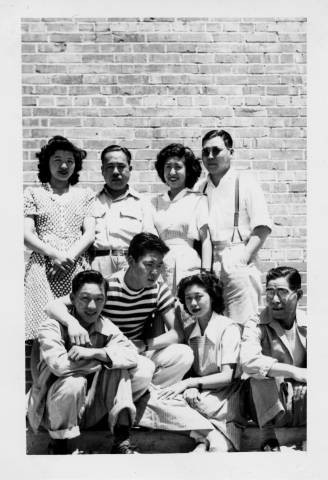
(144, 272)
(198, 302)
(216, 156)
(175, 173)
(88, 302)
(282, 301)
(116, 171)
(61, 166)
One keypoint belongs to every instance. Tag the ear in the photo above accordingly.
(299, 293)
(72, 297)
(131, 261)
(231, 151)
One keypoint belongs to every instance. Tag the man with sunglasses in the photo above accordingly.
(239, 225)
(273, 354)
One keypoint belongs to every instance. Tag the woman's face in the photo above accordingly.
(175, 173)
(198, 301)
(61, 165)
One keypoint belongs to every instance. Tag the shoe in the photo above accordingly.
(63, 447)
(270, 445)
(123, 448)
(200, 447)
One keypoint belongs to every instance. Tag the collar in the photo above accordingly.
(230, 175)
(216, 325)
(180, 195)
(129, 192)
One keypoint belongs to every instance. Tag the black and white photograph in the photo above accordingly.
(169, 240)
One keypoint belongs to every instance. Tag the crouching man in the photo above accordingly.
(76, 386)
(273, 353)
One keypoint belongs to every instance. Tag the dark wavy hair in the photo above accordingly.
(88, 276)
(59, 143)
(192, 164)
(211, 284)
(291, 274)
(146, 242)
(226, 137)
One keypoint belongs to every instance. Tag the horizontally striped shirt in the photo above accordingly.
(130, 309)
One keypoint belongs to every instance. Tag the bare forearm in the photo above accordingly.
(57, 309)
(164, 340)
(287, 371)
(207, 252)
(256, 241)
(213, 381)
(33, 242)
(81, 245)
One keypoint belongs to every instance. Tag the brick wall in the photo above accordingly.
(145, 82)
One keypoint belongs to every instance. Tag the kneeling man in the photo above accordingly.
(76, 386)
(273, 353)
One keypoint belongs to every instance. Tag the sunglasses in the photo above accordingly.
(282, 293)
(214, 150)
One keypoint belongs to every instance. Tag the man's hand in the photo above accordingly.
(299, 374)
(299, 392)
(77, 334)
(80, 353)
(140, 345)
(192, 396)
(173, 390)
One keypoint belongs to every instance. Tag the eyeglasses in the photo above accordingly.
(282, 293)
(214, 150)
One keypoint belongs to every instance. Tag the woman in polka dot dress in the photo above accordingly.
(59, 227)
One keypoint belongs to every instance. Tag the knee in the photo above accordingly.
(143, 373)
(73, 386)
(181, 355)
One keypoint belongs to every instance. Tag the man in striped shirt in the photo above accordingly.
(133, 296)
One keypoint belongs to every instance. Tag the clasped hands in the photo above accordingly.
(61, 263)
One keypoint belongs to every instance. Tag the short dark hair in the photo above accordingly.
(291, 274)
(59, 143)
(146, 242)
(116, 148)
(226, 137)
(211, 284)
(192, 164)
(88, 276)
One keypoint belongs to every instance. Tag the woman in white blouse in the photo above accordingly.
(181, 214)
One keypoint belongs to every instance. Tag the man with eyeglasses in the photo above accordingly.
(121, 212)
(273, 354)
(239, 225)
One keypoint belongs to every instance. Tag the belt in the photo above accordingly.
(113, 251)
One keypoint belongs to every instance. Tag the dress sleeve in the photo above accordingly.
(30, 207)
(230, 345)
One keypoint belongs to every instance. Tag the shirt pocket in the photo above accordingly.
(131, 218)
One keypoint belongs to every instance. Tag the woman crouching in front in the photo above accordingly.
(215, 340)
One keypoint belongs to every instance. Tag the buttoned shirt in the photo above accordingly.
(267, 343)
(219, 345)
(119, 220)
(253, 210)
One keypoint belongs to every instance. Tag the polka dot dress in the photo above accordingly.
(58, 222)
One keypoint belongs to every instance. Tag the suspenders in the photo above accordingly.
(236, 213)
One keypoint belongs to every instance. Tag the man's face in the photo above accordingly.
(89, 302)
(147, 268)
(216, 157)
(116, 171)
(282, 302)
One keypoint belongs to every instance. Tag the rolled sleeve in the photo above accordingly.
(230, 346)
(256, 204)
(253, 362)
(119, 349)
